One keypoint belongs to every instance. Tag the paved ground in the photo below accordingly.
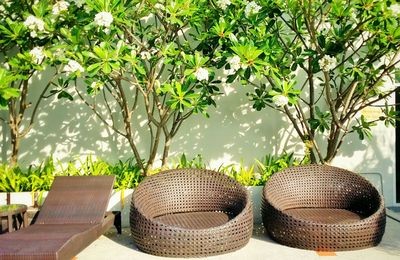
(260, 247)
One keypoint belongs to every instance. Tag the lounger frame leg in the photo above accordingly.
(118, 221)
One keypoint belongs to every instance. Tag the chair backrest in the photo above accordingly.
(189, 190)
(321, 186)
(76, 200)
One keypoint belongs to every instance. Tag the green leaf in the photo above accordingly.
(8, 93)
(64, 94)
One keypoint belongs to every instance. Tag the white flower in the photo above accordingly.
(395, 9)
(232, 37)
(34, 24)
(97, 85)
(72, 67)
(37, 55)
(103, 19)
(153, 51)
(251, 8)
(87, 8)
(229, 72)
(325, 26)
(59, 7)
(234, 63)
(257, 176)
(201, 74)
(59, 54)
(280, 100)
(223, 4)
(79, 3)
(145, 55)
(327, 63)
(159, 6)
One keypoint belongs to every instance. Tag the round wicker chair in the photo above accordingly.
(190, 213)
(323, 208)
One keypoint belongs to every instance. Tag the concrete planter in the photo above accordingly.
(256, 197)
(121, 201)
(27, 198)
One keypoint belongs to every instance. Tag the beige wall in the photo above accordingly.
(234, 132)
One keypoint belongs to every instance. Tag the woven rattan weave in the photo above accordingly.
(323, 208)
(190, 213)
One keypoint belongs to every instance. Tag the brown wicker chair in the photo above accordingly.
(323, 208)
(190, 212)
(72, 217)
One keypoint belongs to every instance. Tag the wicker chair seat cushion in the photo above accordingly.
(324, 215)
(195, 220)
(324, 208)
(190, 213)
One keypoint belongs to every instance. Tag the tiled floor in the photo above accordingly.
(260, 247)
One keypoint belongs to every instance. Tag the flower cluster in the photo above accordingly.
(97, 86)
(223, 4)
(79, 3)
(327, 63)
(201, 74)
(35, 25)
(73, 67)
(395, 9)
(145, 55)
(252, 8)
(3, 7)
(37, 55)
(60, 7)
(103, 19)
(280, 100)
(159, 6)
(234, 63)
(257, 176)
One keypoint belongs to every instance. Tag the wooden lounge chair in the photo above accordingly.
(72, 217)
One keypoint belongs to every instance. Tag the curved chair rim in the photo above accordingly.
(237, 216)
(366, 219)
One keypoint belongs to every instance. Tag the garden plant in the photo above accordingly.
(146, 66)
(320, 63)
(128, 173)
(29, 43)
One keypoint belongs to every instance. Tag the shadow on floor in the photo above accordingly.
(390, 244)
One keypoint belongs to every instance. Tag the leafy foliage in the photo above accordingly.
(128, 173)
(160, 52)
(318, 62)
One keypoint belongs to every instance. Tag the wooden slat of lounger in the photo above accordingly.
(48, 241)
(76, 199)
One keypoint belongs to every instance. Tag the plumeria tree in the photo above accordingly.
(143, 59)
(28, 44)
(318, 62)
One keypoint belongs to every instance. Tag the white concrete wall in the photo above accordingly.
(234, 132)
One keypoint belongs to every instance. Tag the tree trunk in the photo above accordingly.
(167, 145)
(15, 142)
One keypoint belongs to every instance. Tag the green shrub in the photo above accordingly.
(128, 173)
